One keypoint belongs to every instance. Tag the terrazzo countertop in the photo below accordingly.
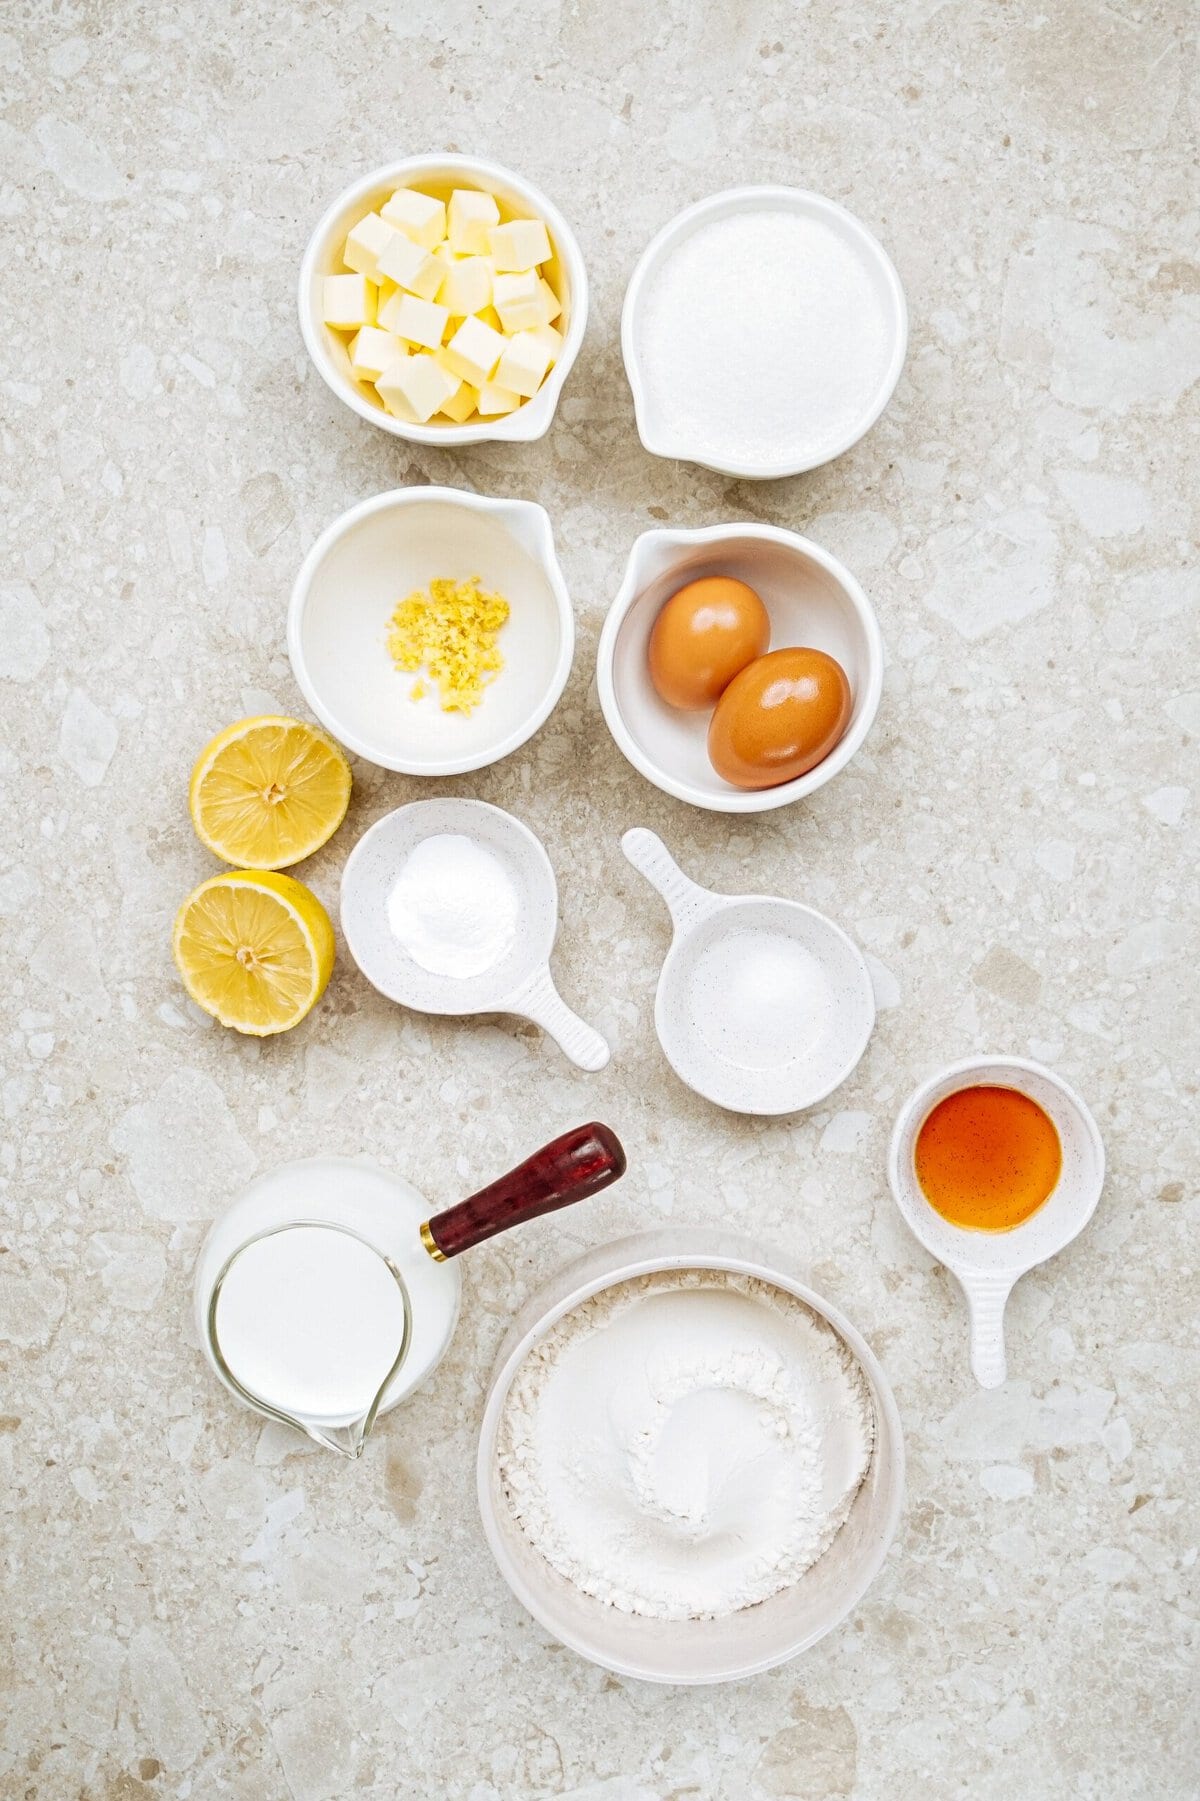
(200, 1606)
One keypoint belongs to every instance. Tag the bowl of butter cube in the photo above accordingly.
(444, 299)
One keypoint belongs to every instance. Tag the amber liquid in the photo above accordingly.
(987, 1158)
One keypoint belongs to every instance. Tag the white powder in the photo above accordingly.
(759, 999)
(454, 906)
(764, 339)
(686, 1444)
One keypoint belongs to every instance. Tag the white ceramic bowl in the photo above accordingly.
(657, 433)
(437, 175)
(811, 598)
(691, 1651)
(375, 555)
(987, 1265)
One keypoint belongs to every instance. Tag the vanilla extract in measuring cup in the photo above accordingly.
(987, 1157)
(326, 1293)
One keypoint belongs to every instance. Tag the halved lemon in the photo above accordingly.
(269, 791)
(255, 949)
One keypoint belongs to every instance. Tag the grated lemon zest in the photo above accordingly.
(450, 631)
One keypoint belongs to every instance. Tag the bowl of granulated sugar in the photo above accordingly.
(764, 331)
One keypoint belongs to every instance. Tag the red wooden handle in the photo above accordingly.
(569, 1169)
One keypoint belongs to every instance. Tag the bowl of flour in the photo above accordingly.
(764, 330)
(690, 1465)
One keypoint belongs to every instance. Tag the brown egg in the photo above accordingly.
(704, 634)
(778, 718)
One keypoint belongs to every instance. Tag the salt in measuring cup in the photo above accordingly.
(763, 1005)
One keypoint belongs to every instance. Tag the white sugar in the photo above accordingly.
(763, 338)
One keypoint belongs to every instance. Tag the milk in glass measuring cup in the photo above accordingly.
(326, 1293)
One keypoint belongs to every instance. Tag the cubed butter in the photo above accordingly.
(348, 302)
(416, 388)
(551, 304)
(419, 216)
(520, 244)
(388, 310)
(421, 321)
(372, 351)
(474, 350)
(523, 364)
(461, 403)
(471, 217)
(364, 243)
(410, 266)
(491, 317)
(466, 285)
(551, 340)
(518, 300)
(494, 399)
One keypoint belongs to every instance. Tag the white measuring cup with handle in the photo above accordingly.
(988, 1265)
(763, 1005)
(520, 980)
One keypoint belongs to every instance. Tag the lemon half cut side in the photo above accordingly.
(255, 949)
(269, 791)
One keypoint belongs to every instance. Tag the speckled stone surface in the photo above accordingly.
(198, 1607)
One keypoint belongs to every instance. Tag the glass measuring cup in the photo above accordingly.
(327, 1292)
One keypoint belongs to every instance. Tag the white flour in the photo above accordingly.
(686, 1444)
(763, 338)
(454, 906)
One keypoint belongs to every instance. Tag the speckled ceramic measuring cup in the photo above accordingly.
(988, 1265)
(763, 1005)
(520, 982)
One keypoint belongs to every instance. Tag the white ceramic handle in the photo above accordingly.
(987, 1297)
(651, 858)
(540, 1001)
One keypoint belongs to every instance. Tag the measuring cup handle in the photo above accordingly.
(685, 899)
(987, 1297)
(569, 1169)
(540, 1001)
